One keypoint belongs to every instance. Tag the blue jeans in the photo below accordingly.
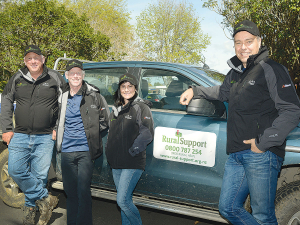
(77, 170)
(29, 162)
(247, 172)
(125, 181)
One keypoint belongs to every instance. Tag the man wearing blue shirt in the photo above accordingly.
(83, 115)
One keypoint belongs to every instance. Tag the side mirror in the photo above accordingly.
(208, 108)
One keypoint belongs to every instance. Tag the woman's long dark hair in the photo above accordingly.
(119, 100)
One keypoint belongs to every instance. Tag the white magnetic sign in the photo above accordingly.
(185, 146)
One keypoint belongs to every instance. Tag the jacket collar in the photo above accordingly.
(26, 74)
(237, 65)
(85, 89)
(117, 109)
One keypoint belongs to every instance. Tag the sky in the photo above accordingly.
(220, 49)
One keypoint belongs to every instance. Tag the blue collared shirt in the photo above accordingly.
(74, 138)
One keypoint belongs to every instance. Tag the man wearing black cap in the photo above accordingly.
(263, 108)
(35, 89)
(83, 116)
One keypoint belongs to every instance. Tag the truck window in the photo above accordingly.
(163, 88)
(106, 80)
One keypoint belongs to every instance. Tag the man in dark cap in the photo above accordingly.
(35, 89)
(263, 108)
(83, 111)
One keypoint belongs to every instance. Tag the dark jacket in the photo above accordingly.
(263, 103)
(36, 102)
(94, 113)
(130, 131)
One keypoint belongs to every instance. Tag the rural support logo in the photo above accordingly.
(242, 26)
(178, 134)
(185, 146)
(31, 49)
(180, 140)
(127, 78)
(74, 64)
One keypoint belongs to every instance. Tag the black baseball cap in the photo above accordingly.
(128, 77)
(73, 63)
(248, 26)
(32, 48)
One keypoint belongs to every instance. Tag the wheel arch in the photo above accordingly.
(288, 174)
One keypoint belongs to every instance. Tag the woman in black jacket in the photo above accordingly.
(130, 130)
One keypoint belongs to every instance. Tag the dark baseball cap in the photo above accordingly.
(32, 48)
(248, 26)
(128, 77)
(73, 63)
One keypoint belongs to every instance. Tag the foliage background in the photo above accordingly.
(170, 31)
(101, 31)
(111, 18)
(53, 28)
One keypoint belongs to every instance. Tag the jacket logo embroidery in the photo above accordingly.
(46, 84)
(74, 63)
(251, 82)
(93, 107)
(243, 26)
(128, 117)
(286, 85)
(21, 84)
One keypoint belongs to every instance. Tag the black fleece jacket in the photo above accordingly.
(130, 130)
(263, 103)
(36, 102)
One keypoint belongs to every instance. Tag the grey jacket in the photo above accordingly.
(94, 113)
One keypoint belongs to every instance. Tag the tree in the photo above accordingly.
(278, 21)
(171, 32)
(110, 18)
(2, 85)
(50, 26)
